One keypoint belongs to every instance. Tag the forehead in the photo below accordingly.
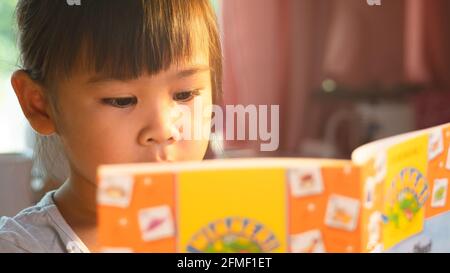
(196, 64)
(135, 58)
(150, 55)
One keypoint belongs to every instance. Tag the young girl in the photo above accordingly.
(104, 77)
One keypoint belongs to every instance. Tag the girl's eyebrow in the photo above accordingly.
(192, 70)
(187, 72)
(101, 78)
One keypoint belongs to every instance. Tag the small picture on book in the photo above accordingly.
(156, 223)
(439, 196)
(115, 191)
(342, 212)
(435, 144)
(307, 242)
(305, 181)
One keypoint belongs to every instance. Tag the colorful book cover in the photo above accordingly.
(392, 197)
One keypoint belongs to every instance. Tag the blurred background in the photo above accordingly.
(343, 72)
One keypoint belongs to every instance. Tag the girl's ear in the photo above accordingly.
(33, 102)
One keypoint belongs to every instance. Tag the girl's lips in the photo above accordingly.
(162, 157)
(158, 154)
(163, 161)
(164, 154)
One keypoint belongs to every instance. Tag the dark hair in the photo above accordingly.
(116, 38)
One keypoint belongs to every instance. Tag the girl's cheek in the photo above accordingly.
(193, 150)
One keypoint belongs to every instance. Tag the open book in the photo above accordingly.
(391, 197)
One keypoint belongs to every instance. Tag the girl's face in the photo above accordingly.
(105, 121)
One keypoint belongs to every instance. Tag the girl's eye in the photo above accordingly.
(185, 96)
(120, 102)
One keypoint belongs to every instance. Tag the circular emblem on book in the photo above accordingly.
(233, 235)
(407, 194)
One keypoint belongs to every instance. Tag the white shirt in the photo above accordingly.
(37, 229)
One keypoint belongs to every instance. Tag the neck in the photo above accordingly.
(76, 200)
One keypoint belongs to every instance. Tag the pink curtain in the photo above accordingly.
(365, 43)
(427, 59)
(427, 44)
(255, 53)
(272, 51)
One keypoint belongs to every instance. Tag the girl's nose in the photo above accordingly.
(152, 137)
(158, 136)
(161, 130)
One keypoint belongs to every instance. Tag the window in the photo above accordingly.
(13, 126)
